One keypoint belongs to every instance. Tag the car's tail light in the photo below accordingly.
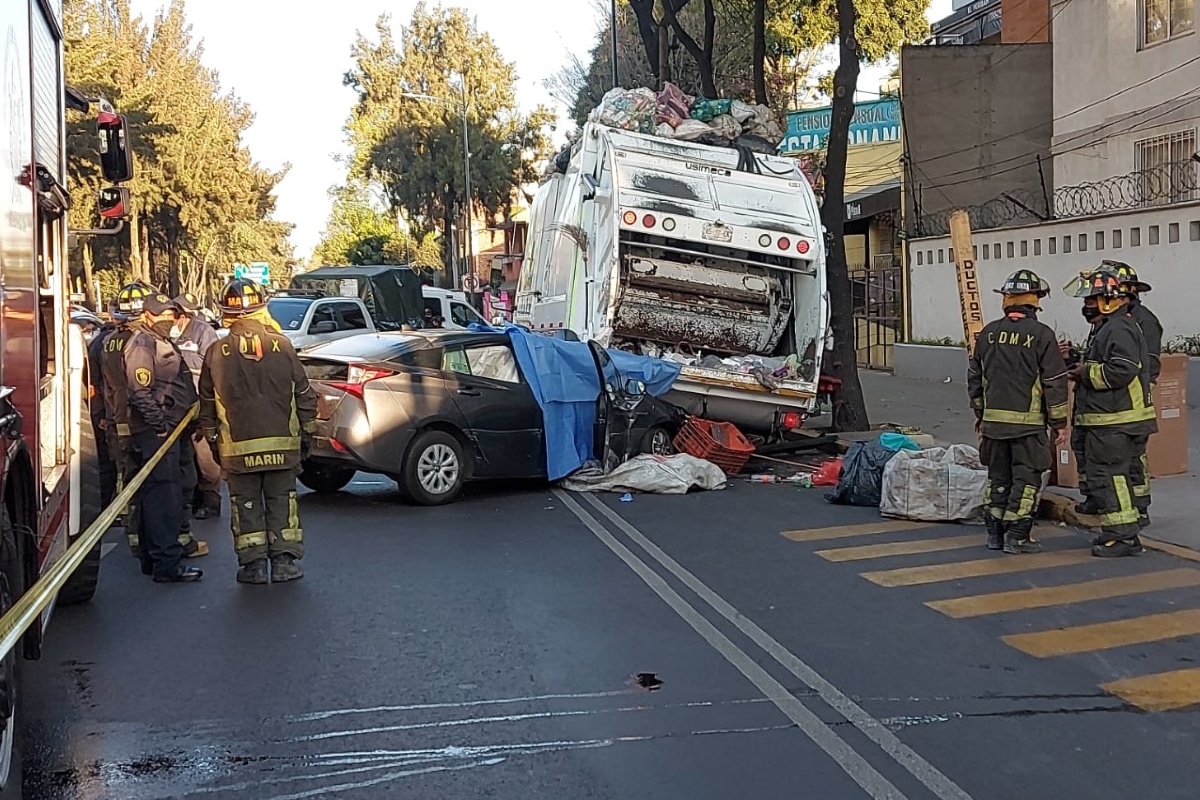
(630, 217)
(336, 445)
(357, 377)
(792, 420)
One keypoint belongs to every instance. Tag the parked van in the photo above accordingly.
(453, 307)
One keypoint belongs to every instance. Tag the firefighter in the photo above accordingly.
(202, 479)
(128, 316)
(1017, 382)
(1113, 408)
(257, 410)
(105, 456)
(160, 392)
(1152, 331)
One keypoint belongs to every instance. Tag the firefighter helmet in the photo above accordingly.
(130, 300)
(1024, 281)
(1105, 285)
(1127, 274)
(240, 297)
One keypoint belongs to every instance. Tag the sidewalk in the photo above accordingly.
(941, 410)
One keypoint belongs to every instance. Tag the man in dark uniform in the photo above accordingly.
(99, 413)
(1152, 331)
(161, 393)
(1017, 382)
(258, 410)
(128, 316)
(194, 337)
(1114, 409)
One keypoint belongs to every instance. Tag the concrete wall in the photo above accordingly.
(975, 119)
(1163, 244)
(1109, 91)
(1025, 21)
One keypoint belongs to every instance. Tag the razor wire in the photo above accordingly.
(1162, 185)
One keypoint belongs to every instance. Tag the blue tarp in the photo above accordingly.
(563, 378)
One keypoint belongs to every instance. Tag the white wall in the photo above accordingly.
(1172, 268)
(1096, 56)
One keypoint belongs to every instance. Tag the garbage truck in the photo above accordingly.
(706, 255)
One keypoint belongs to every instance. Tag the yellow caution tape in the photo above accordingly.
(29, 607)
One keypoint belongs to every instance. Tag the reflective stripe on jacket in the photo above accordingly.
(1114, 384)
(1017, 379)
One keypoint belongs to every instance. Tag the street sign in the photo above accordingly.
(257, 271)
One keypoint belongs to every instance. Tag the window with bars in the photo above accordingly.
(1168, 175)
(1166, 19)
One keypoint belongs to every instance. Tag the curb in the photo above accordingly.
(1060, 508)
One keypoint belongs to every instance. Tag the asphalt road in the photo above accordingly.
(493, 649)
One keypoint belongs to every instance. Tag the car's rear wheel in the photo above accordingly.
(324, 478)
(434, 469)
(657, 442)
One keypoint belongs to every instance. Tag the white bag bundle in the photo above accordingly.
(935, 485)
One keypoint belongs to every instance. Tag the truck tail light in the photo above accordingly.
(792, 420)
(801, 247)
(649, 221)
(764, 240)
(668, 224)
(784, 243)
(357, 377)
(630, 217)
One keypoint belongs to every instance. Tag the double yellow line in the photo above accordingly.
(28, 609)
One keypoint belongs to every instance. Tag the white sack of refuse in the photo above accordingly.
(652, 474)
(935, 485)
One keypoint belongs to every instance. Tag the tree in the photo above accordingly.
(849, 405)
(406, 128)
(358, 233)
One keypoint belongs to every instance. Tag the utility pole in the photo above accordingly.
(616, 74)
(470, 247)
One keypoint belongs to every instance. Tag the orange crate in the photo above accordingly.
(719, 442)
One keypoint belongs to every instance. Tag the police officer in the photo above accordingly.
(1017, 382)
(128, 317)
(161, 393)
(1113, 408)
(257, 410)
(202, 475)
(1152, 331)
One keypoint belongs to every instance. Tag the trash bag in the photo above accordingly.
(673, 106)
(692, 129)
(706, 109)
(861, 482)
(674, 474)
(935, 485)
(631, 110)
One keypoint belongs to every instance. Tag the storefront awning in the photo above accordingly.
(873, 200)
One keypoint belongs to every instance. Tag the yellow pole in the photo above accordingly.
(968, 282)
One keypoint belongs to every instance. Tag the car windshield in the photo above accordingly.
(369, 347)
(289, 311)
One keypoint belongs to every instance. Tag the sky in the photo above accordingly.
(294, 83)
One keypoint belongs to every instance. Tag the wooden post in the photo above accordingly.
(968, 281)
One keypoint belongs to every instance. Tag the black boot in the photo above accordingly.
(1143, 519)
(1019, 539)
(284, 568)
(1120, 548)
(1089, 507)
(255, 572)
(995, 532)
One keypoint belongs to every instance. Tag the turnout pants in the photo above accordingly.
(107, 463)
(1110, 457)
(127, 466)
(264, 515)
(208, 485)
(161, 501)
(1015, 468)
(1139, 479)
(187, 486)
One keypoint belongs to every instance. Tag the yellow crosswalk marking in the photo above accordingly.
(1107, 635)
(917, 546)
(1166, 691)
(846, 531)
(998, 565)
(1000, 602)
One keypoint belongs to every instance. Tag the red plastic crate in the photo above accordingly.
(719, 442)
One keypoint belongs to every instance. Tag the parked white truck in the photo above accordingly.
(711, 256)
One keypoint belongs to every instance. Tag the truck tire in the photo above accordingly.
(11, 587)
(81, 586)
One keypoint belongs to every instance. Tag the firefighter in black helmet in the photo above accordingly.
(258, 410)
(1152, 331)
(1113, 408)
(1017, 382)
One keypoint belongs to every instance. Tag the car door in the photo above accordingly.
(502, 415)
(350, 319)
(462, 315)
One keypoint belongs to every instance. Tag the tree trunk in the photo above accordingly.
(849, 405)
(89, 283)
(760, 52)
(174, 246)
(664, 56)
(701, 53)
(142, 267)
(643, 12)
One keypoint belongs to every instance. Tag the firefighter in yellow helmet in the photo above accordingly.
(257, 411)
(1152, 330)
(1017, 382)
(1113, 409)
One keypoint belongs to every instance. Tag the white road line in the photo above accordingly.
(861, 772)
(902, 754)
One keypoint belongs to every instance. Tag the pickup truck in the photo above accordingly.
(308, 320)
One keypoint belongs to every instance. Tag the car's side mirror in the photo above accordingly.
(325, 326)
(634, 388)
(116, 148)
